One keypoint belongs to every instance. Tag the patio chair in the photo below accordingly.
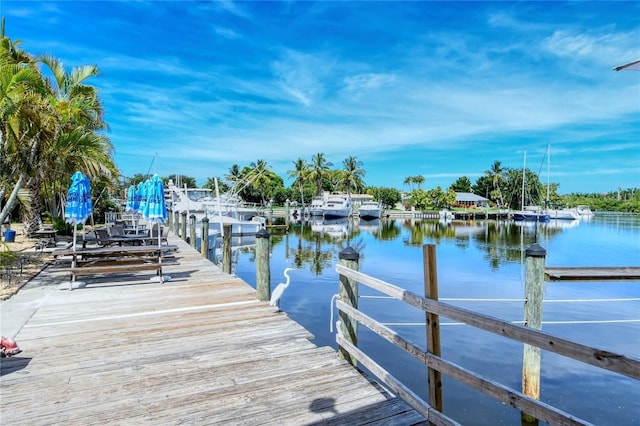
(164, 233)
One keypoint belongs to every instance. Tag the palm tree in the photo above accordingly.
(319, 169)
(76, 145)
(352, 174)
(409, 182)
(496, 174)
(26, 123)
(299, 173)
(261, 179)
(47, 130)
(77, 103)
(234, 174)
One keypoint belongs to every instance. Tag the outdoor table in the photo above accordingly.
(47, 235)
(113, 259)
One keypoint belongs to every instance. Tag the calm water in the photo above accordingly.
(477, 260)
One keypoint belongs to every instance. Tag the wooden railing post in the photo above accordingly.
(183, 226)
(204, 239)
(176, 220)
(433, 324)
(535, 257)
(349, 294)
(226, 248)
(192, 230)
(263, 267)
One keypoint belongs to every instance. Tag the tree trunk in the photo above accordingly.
(13, 198)
(33, 215)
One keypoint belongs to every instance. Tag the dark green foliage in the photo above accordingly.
(63, 227)
(463, 184)
(389, 197)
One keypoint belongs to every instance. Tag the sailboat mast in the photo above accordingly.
(524, 167)
(548, 167)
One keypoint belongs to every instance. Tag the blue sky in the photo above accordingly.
(438, 89)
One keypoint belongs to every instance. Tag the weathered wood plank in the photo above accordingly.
(197, 349)
(616, 273)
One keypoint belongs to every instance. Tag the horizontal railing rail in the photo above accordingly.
(607, 360)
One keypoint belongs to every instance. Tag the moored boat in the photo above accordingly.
(531, 214)
(317, 206)
(562, 214)
(369, 210)
(583, 210)
(337, 206)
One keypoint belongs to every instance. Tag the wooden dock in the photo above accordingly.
(199, 349)
(583, 273)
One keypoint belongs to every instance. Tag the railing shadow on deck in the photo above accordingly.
(350, 317)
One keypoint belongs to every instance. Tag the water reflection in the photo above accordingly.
(500, 242)
(477, 261)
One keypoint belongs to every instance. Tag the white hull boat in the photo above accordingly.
(317, 207)
(369, 210)
(337, 206)
(562, 214)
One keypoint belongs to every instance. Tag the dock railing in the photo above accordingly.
(347, 341)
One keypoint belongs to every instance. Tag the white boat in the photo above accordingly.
(219, 210)
(584, 211)
(317, 206)
(562, 214)
(337, 206)
(202, 201)
(370, 210)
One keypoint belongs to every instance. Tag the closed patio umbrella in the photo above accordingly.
(130, 206)
(78, 208)
(155, 212)
(141, 196)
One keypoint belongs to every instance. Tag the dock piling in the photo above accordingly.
(204, 239)
(226, 248)
(263, 268)
(192, 230)
(535, 257)
(349, 258)
(433, 324)
(183, 226)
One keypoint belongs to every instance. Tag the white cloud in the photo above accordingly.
(368, 81)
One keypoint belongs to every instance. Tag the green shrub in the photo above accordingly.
(63, 227)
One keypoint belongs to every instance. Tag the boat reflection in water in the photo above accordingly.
(336, 228)
(371, 226)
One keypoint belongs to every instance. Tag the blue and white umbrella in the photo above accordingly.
(155, 211)
(141, 196)
(132, 200)
(78, 208)
(155, 208)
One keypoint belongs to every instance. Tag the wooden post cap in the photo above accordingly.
(263, 233)
(349, 253)
(535, 250)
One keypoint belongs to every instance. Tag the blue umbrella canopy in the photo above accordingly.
(132, 199)
(141, 196)
(79, 206)
(155, 208)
